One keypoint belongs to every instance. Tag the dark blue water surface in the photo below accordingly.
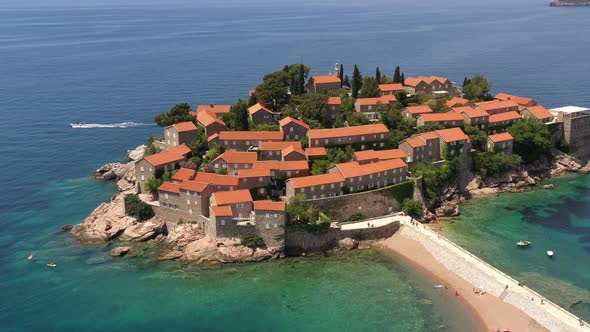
(114, 62)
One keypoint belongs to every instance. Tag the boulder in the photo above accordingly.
(347, 244)
(181, 235)
(171, 255)
(66, 228)
(207, 250)
(109, 175)
(122, 171)
(120, 251)
(447, 209)
(474, 184)
(106, 222)
(530, 181)
(143, 231)
(549, 186)
(136, 154)
(108, 171)
(586, 168)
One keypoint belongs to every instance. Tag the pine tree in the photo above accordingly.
(357, 81)
(341, 74)
(465, 82)
(377, 75)
(240, 110)
(396, 75)
(286, 68)
(402, 79)
(346, 81)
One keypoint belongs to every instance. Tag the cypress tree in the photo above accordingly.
(357, 81)
(341, 74)
(346, 81)
(396, 75)
(402, 79)
(465, 81)
(377, 75)
(301, 83)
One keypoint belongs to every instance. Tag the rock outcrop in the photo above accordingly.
(143, 231)
(120, 251)
(136, 154)
(347, 244)
(108, 171)
(207, 250)
(171, 255)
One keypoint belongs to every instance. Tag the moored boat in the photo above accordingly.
(523, 243)
(550, 253)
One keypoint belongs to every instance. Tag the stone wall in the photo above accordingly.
(298, 242)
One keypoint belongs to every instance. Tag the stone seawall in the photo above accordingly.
(299, 242)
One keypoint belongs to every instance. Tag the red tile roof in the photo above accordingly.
(212, 137)
(287, 120)
(420, 109)
(184, 174)
(387, 99)
(283, 166)
(380, 154)
(495, 104)
(524, 101)
(501, 137)
(194, 186)
(539, 112)
(370, 129)
(257, 108)
(253, 173)
(268, 205)
(415, 141)
(253, 136)
(322, 79)
(506, 116)
(316, 152)
(207, 118)
(221, 211)
(237, 157)
(334, 101)
(471, 112)
(291, 149)
(231, 197)
(391, 87)
(170, 187)
(413, 81)
(316, 180)
(452, 134)
(217, 179)
(456, 101)
(184, 126)
(430, 135)
(174, 154)
(354, 169)
(439, 117)
(277, 146)
(216, 109)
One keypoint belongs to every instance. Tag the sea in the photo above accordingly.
(114, 64)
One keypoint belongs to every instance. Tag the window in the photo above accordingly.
(332, 186)
(240, 205)
(222, 222)
(312, 188)
(267, 215)
(275, 225)
(260, 179)
(188, 202)
(168, 133)
(142, 178)
(166, 195)
(150, 169)
(291, 129)
(362, 138)
(190, 211)
(267, 226)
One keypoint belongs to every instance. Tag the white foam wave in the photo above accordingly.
(107, 125)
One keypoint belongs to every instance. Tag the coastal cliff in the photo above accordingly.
(569, 3)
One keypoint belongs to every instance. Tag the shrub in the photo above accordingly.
(531, 139)
(137, 208)
(412, 207)
(402, 191)
(253, 241)
(493, 164)
(356, 217)
(152, 185)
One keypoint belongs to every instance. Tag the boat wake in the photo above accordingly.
(108, 125)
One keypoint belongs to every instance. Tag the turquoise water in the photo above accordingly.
(113, 61)
(557, 220)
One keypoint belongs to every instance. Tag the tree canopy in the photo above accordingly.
(357, 82)
(178, 113)
(370, 88)
(478, 88)
(240, 114)
(494, 164)
(532, 140)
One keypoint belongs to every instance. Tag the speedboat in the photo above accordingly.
(549, 253)
(51, 264)
(30, 256)
(76, 125)
(523, 243)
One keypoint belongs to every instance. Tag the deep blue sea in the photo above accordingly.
(109, 62)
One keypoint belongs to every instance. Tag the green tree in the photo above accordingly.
(465, 82)
(341, 74)
(478, 137)
(357, 82)
(320, 166)
(346, 81)
(436, 180)
(137, 208)
(495, 164)
(178, 113)
(253, 241)
(532, 140)
(377, 75)
(240, 111)
(297, 210)
(396, 75)
(477, 88)
(272, 92)
(402, 79)
(412, 207)
(370, 88)
(152, 185)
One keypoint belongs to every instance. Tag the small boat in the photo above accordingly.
(30, 256)
(438, 286)
(549, 253)
(51, 264)
(76, 125)
(523, 243)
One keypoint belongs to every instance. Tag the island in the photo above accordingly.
(569, 3)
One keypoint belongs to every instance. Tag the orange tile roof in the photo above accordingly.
(184, 126)
(251, 92)
(495, 104)
(376, 100)
(292, 149)
(170, 187)
(277, 146)
(184, 174)
(316, 180)
(231, 197)
(287, 120)
(279, 165)
(379, 154)
(456, 101)
(207, 118)
(194, 186)
(257, 108)
(415, 141)
(322, 79)
(471, 112)
(413, 81)
(212, 137)
(370, 129)
(217, 179)
(430, 135)
(354, 169)
(539, 112)
(253, 173)
(517, 99)
(506, 116)
(452, 134)
(237, 157)
(221, 211)
(254, 136)
(420, 109)
(176, 153)
(316, 152)
(268, 205)
(436, 117)
(334, 101)
(501, 137)
(216, 109)
(391, 87)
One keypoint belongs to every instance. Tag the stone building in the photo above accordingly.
(390, 89)
(379, 174)
(415, 111)
(371, 156)
(501, 121)
(497, 106)
(576, 126)
(165, 161)
(472, 116)
(234, 161)
(293, 129)
(244, 140)
(537, 112)
(210, 122)
(315, 186)
(321, 83)
(287, 168)
(456, 101)
(254, 179)
(425, 84)
(433, 145)
(218, 110)
(367, 136)
(522, 101)
(370, 106)
(180, 133)
(448, 119)
(502, 142)
(333, 107)
(260, 114)
(273, 150)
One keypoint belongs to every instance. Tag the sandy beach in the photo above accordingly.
(504, 305)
